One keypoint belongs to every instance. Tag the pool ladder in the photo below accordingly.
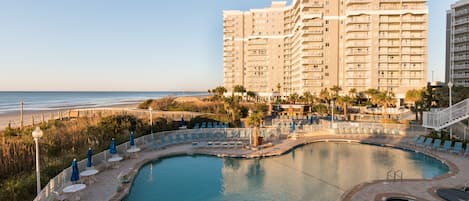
(394, 175)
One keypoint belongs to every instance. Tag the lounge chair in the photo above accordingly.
(227, 125)
(420, 141)
(186, 137)
(204, 125)
(193, 136)
(209, 125)
(171, 139)
(428, 142)
(201, 136)
(196, 126)
(457, 148)
(446, 146)
(466, 153)
(178, 138)
(436, 145)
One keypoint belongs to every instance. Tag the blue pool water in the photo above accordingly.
(319, 171)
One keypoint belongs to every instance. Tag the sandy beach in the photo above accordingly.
(14, 117)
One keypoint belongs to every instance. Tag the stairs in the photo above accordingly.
(447, 117)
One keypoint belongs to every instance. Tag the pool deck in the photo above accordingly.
(107, 180)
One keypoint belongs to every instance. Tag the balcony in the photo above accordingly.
(413, 19)
(396, 44)
(357, 61)
(312, 77)
(459, 49)
(358, 21)
(305, 70)
(315, 32)
(319, 54)
(461, 30)
(314, 62)
(462, 12)
(413, 44)
(313, 47)
(313, 24)
(461, 67)
(312, 39)
(312, 5)
(357, 36)
(413, 28)
(461, 58)
(461, 40)
(358, 44)
(466, 75)
(415, 52)
(358, 1)
(356, 28)
(413, 36)
(389, 36)
(461, 21)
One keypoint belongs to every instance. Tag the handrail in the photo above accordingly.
(446, 117)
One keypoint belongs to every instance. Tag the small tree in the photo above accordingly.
(414, 97)
(384, 99)
(239, 89)
(336, 90)
(255, 120)
(325, 96)
(345, 101)
(251, 94)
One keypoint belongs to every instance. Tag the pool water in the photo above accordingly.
(320, 171)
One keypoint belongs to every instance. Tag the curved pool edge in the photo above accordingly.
(347, 195)
(453, 170)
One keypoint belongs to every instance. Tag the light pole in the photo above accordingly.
(332, 119)
(450, 86)
(37, 134)
(151, 119)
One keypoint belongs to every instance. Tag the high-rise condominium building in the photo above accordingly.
(457, 44)
(315, 44)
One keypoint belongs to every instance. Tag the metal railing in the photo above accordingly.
(444, 118)
(155, 140)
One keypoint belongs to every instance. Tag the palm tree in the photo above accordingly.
(336, 90)
(370, 93)
(384, 99)
(251, 94)
(414, 97)
(239, 89)
(255, 120)
(325, 96)
(232, 107)
(345, 101)
(293, 98)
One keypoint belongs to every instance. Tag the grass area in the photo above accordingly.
(62, 141)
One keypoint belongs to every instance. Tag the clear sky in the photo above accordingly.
(133, 45)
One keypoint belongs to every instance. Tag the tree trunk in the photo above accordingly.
(345, 111)
(256, 136)
(385, 112)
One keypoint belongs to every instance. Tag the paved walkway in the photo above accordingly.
(107, 182)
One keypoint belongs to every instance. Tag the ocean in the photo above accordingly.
(41, 101)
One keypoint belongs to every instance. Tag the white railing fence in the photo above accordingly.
(158, 140)
(444, 118)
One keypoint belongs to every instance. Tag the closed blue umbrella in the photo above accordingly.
(75, 172)
(132, 141)
(89, 155)
(293, 125)
(112, 148)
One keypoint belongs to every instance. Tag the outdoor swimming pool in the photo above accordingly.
(319, 171)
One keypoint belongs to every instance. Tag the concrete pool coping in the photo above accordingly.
(105, 187)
